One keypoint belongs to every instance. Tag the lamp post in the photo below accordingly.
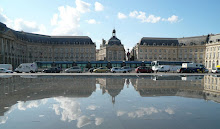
(128, 55)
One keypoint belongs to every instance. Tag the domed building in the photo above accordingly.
(112, 50)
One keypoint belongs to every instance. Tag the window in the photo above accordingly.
(140, 50)
(201, 56)
(145, 50)
(146, 56)
(195, 56)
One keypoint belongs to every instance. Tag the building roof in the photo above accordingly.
(37, 38)
(154, 41)
(196, 40)
(214, 38)
(158, 41)
(114, 41)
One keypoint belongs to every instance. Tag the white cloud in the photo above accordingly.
(3, 119)
(53, 21)
(20, 24)
(98, 121)
(82, 121)
(120, 113)
(92, 21)
(69, 109)
(133, 14)
(28, 26)
(92, 107)
(121, 16)
(152, 19)
(169, 111)
(67, 21)
(99, 6)
(3, 18)
(82, 6)
(142, 16)
(148, 111)
(30, 104)
(172, 19)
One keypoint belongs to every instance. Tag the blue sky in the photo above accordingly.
(97, 18)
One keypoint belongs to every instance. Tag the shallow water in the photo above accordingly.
(113, 102)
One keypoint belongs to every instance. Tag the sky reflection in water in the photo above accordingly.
(71, 102)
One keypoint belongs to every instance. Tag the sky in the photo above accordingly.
(132, 19)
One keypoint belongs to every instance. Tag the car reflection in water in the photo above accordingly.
(98, 102)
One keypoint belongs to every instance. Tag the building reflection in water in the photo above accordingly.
(112, 86)
(212, 87)
(187, 86)
(27, 88)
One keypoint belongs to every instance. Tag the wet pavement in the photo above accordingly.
(110, 102)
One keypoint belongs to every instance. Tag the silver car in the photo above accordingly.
(74, 69)
(216, 70)
(3, 70)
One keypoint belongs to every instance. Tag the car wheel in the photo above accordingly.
(124, 72)
(114, 72)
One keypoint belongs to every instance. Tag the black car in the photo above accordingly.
(191, 70)
(52, 70)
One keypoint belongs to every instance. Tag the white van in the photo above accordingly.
(6, 66)
(27, 68)
(166, 68)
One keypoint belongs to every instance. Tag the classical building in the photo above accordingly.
(112, 50)
(212, 58)
(171, 49)
(18, 47)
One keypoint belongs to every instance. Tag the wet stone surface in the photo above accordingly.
(110, 102)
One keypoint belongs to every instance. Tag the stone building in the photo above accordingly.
(171, 49)
(112, 50)
(212, 58)
(18, 47)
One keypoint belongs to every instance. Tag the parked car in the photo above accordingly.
(143, 69)
(4, 70)
(6, 66)
(101, 70)
(91, 70)
(74, 69)
(206, 71)
(127, 68)
(52, 70)
(184, 70)
(192, 70)
(118, 70)
(216, 70)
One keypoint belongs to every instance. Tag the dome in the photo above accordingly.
(114, 40)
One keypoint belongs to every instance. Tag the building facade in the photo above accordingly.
(199, 49)
(212, 58)
(18, 47)
(171, 49)
(112, 50)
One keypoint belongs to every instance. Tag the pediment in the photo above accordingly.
(10, 33)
